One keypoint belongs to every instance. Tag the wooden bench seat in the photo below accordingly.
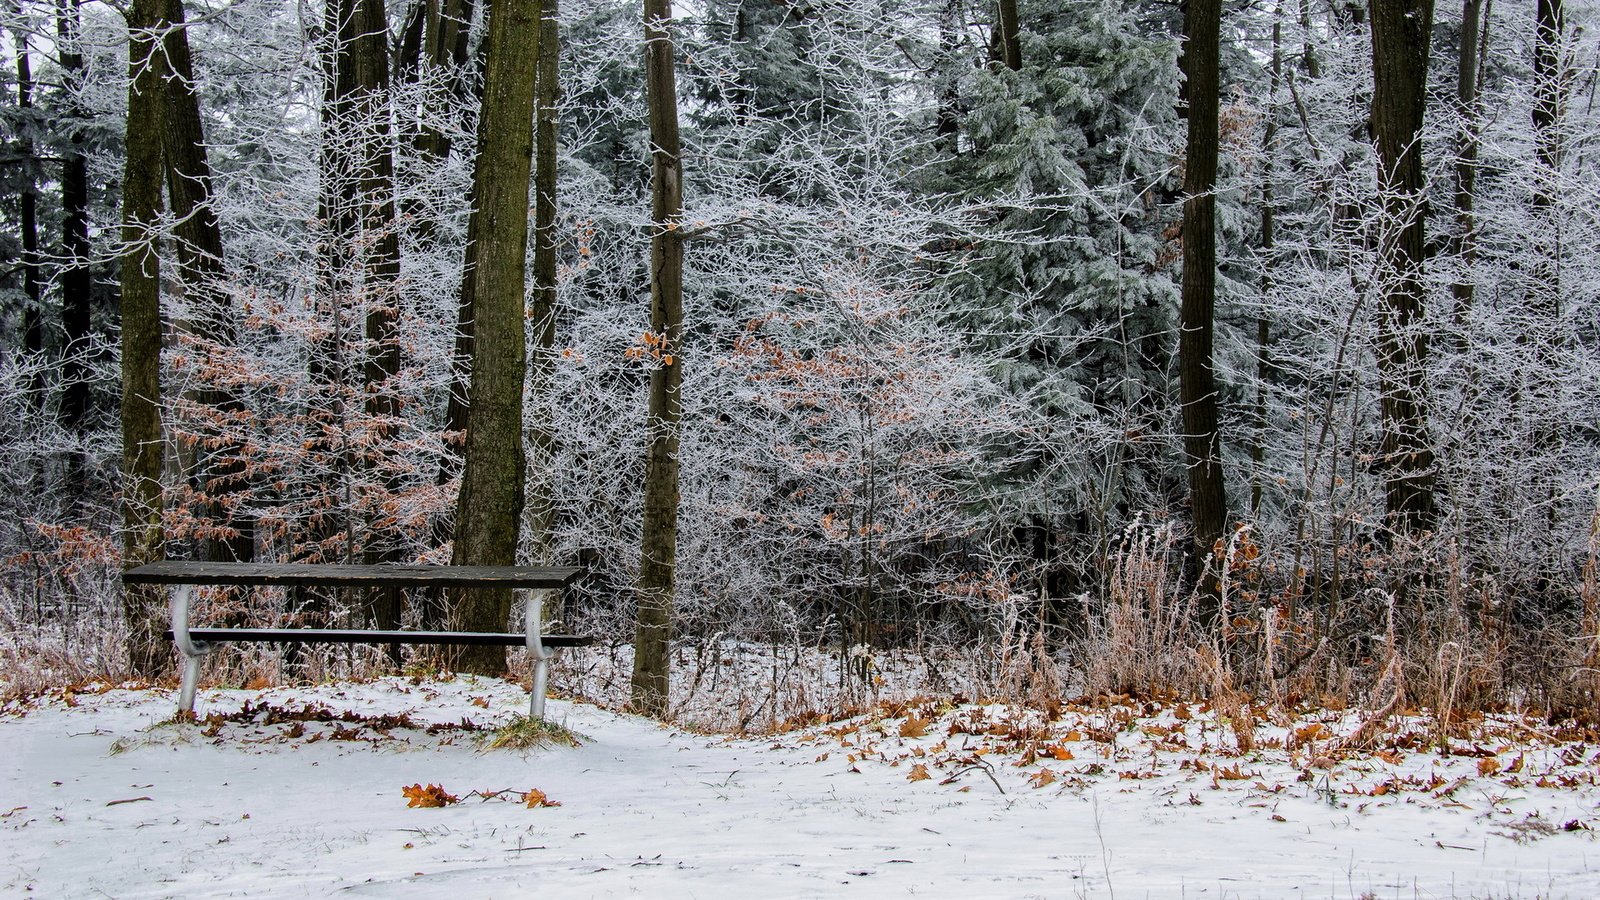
(195, 643)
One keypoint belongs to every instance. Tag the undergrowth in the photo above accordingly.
(530, 733)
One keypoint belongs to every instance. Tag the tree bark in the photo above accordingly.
(77, 287)
(141, 330)
(447, 46)
(658, 556)
(330, 529)
(1465, 240)
(1401, 32)
(379, 230)
(543, 314)
(489, 510)
(947, 124)
(198, 236)
(1269, 215)
(1549, 101)
(360, 260)
(1196, 319)
(28, 224)
(1007, 49)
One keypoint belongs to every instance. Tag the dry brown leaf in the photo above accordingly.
(1042, 778)
(919, 772)
(536, 798)
(1488, 765)
(1313, 732)
(431, 797)
(913, 727)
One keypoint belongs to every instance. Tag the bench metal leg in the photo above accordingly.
(193, 651)
(538, 652)
(541, 681)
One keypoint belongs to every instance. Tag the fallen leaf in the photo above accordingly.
(919, 772)
(1488, 765)
(913, 727)
(1042, 778)
(431, 797)
(536, 798)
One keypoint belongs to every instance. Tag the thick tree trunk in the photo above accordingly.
(141, 330)
(490, 506)
(658, 557)
(1401, 32)
(200, 267)
(77, 287)
(1196, 318)
(543, 315)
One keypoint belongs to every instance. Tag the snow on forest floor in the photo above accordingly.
(298, 791)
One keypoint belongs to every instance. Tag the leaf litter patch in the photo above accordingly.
(1523, 775)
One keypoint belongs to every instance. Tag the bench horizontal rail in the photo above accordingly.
(327, 575)
(343, 636)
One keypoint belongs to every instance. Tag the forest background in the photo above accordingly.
(1214, 347)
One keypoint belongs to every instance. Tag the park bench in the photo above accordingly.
(195, 643)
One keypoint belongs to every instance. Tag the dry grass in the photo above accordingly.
(529, 733)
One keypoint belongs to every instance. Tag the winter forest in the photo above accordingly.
(1202, 347)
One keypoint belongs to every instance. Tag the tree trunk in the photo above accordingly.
(447, 46)
(141, 330)
(200, 267)
(1401, 31)
(379, 230)
(947, 124)
(490, 506)
(543, 314)
(360, 263)
(1269, 214)
(1549, 101)
(1007, 40)
(28, 224)
(1465, 242)
(658, 557)
(1196, 319)
(331, 536)
(77, 287)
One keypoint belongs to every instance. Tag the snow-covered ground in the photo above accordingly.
(301, 794)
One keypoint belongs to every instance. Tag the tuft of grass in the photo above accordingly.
(529, 733)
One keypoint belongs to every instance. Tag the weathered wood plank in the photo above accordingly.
(342, 636)
(326, 575)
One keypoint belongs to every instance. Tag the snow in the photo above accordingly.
(1145, 807)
